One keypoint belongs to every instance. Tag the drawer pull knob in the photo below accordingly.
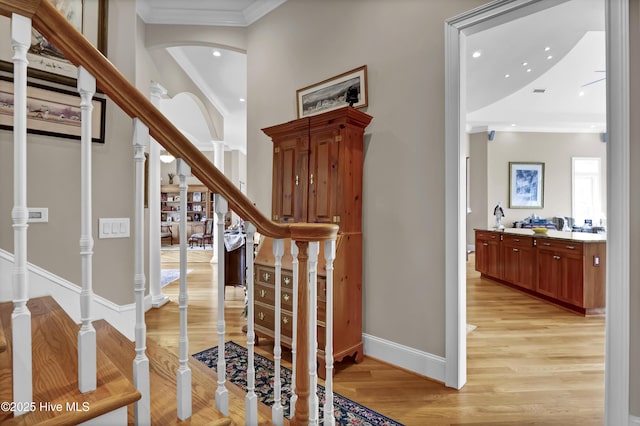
(485, 244)
(286, 280)
(285, 297)
(516, 250)
(546, 244)
(261, 316)
(263, 292)
(556, 257)
(517, 240)
(571, 247)
(267, 276)
(285, 320)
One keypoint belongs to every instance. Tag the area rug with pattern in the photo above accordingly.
(167, 276)
(346, 411)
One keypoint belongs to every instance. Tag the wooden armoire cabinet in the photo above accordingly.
(317, 178)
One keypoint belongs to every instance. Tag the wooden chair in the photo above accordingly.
(165, 232)
(201, 238)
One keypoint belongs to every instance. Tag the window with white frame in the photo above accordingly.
(586, 190)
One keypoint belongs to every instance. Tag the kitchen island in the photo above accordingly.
(566, 268)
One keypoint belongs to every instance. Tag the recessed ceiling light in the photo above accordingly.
(507, 75)
(528, 69)
(546, 49)
(476, 54)
(550, 57)
(581, 93)
(242, 99)
(524, 64)
(216, 53)
(513, 125)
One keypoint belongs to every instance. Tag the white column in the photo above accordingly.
(329, 257)
(142, 407)
(277, 409)
(86, 334)
(218, 161)
(313, 332)
(251, 400)
(153, 190)
(20, 317)
(222, 394)
(183, 391)
(294, 332)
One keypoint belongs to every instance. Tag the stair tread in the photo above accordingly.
(163, 365)
(55, 370)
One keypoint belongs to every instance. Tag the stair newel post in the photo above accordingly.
(251, 400)
(294, 332)
(21, 316)
(277, 409)
(142, 408)
(87, 334)
(329, 257)
(222, 394)
(301, 416)
(184, 403)
(314, 247)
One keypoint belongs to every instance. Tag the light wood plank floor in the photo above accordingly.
(529, 362)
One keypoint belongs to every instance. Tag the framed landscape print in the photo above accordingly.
(332, 93)
(45, 60)
(52, 112)
(526, 185)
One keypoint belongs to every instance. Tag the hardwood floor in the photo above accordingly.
(529, 362)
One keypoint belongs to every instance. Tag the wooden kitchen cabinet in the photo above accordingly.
(317, 178)
(565, 268)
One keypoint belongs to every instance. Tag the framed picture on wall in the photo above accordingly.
(526, 185)
(332, 93)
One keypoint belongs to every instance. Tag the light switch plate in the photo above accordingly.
(113, 227)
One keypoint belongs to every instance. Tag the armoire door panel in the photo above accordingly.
(323, 177)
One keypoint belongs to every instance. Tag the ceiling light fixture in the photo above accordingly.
(581, 93)
(524, 64)
(528, 69)
(476, 54)
(546, 49)
(216, 53)
(165, 157)
(242, 99)
(507, 75)
(550, 57)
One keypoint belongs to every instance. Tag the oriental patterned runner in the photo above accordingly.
(346, 411)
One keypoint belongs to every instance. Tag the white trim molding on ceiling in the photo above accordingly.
(228, 13)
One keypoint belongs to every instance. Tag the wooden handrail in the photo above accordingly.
(81, 52)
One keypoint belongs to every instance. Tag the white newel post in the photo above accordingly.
(251, 400)
(329, 257)
(313, 331)
(218, 161)
(87, 334)
(294, 332)
(142, 407)
(222, 394)
(277, 409)
(153, 190)
(183, 391)
(21, 316)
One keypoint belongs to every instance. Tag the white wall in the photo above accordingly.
(555, 150)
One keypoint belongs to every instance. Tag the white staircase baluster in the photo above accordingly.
(251, 400)
(184, 372)
(329, 256)
(222, 394)
(158, 299)
(142, 407)
(21, 316)
(87, 334)
(277, 409)
(294, 332)
(218, 161)
(313, 332)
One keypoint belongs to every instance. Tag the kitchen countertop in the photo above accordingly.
(584, 237)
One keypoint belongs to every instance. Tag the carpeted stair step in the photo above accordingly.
(162, 369)
(55, 370)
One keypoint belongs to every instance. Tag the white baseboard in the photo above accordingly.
(634, 421)
(67, 295)
(411, 359)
